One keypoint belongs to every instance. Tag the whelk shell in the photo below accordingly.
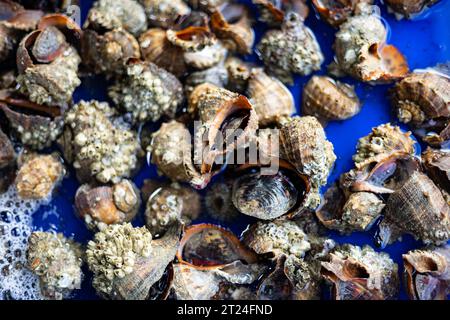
(238, 74)
(7, 152)
(361, 274)
(164, 13)
(437, 167)
(270, 98)
(336, 12)
(216, 75)
(328, 99)
(427, 273)
(232, 24)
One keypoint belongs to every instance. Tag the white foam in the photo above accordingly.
(16, 282)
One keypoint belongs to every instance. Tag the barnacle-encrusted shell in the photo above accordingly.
(276, 238)
(97, 147)
(57, 261)
(216, 75)
(218, 201)
(417, 208)
(427, 273)
(108, 52)
(38, 176)
(147, 92)
(293, 49)
(7, 153)
(356, 213)
(361, 50)
(34, 130)
(337, 12)
(409, 8)
(270, 98)
(169, 204)
(437, 167)
(48, 71)
(306, 147)
(273, 12)
(104, 205)
(382, 142)
(163, 13)
(232, 24)
(126, 262)
(329, 99)
(206, 57)
(361, 274)
(171, 153)
(117, 14)
(238, 74)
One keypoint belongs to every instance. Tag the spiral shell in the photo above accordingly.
(337, 12)
(273, 12)
(270, 98)
(409, 8)
(216, 75)
(357, 273)
(417, 208)
(427, 273)
(293, 49)
(329, 99)
(39, 175)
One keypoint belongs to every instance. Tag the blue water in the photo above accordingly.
(425, 42)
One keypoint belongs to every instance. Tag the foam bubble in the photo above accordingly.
(16, 281)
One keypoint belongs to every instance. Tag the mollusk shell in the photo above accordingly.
(409, 8)
(164, 13)
(336, 12)
(7, 152)
(273, 12)
(437, 167)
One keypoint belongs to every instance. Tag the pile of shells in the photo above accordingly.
(182, 93)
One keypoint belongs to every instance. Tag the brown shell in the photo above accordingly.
(107, 205)
(171, 153)
(38, 176)
(381, 143)
(361, 274)
(7, 152)
(221, 112)
(270, 98)
(156, 48)
(110, 51)
(164, 13)
(437, 167)
(232, 24)
(273, 12)
(409, 8)
(329, 99)
(337, 12)
(216, 75)
(417, 208)
(192, 38)
(305, 146)
(238, 74)
(427, 273)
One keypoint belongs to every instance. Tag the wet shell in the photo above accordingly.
(293, 49)
(57, 261)
(337, 12)
(238, 74)
(169, 204)
(206, 57)
(328, 99)
(268, 192)
(381, 143)
(102, 206)
(437, 167)
(306, 147)
(171, 152)
(270, 98)
(361, 274)
(232, 24)
(7, 152)
(126, 262)
(361, 50)
(216, 75)
(113, 14)
(409, 8)
(147, 92)
(417, 208)
(108, 52)
(357, 212)
(218, 201)
(99, 147)
(38, 176)
(277, 238)
(273, 12)
(228, 120)
(164, 13)
(427, 273)
(48, 62)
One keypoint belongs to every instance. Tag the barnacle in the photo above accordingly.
(147, 92)
(57, 261)
(98, 147)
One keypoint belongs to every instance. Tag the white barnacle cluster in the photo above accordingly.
(108, 152)
(114, 252)
(146, 93)
(57, 261)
